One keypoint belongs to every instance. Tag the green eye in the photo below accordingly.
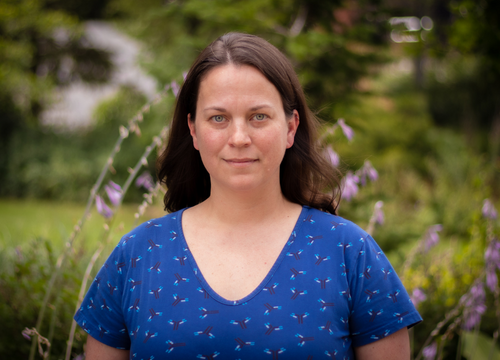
(218, 118)
(260, 117)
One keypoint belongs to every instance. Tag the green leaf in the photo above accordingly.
(478, 346)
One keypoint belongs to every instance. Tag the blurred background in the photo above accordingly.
(417, 81)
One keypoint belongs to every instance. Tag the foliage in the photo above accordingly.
(479, 346)
(461, 75)
(331, 43)
(46, 164)
(42, 45)
(23, 279)
(428, 174)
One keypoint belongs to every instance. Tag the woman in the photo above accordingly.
(252, 261)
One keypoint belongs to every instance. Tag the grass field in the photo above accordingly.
(22, 221)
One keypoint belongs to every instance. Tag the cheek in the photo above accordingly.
(209, 143)
(275, 147)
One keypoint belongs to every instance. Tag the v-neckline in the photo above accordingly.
(206, 286)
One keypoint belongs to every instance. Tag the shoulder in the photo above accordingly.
(329, 222)
(168, 224)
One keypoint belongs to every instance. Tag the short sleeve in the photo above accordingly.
(381, 305)
(100, 313)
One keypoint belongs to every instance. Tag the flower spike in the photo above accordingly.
(102, 208)
(346, 129)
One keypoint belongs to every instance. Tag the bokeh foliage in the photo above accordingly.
(433, 140)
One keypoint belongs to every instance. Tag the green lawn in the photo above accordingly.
(21, 221)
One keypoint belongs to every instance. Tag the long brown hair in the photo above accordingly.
(306, 177)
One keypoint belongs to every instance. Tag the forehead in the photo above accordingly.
(236, 81)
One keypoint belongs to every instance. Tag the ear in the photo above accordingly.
(293, 124)
(192, 131)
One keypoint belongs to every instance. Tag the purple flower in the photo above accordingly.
(114, 192)
(367, 171)
(145, 180)
(472, 316)
(102, 208)
(432, 236)
(26, 335)
(332, 156)
(175, 87)
(492, 261)
(489, 210)
(430, 351)
(379, 213)
(492, 254)
(350, 186)
(184, 75)
(417, 296)
(492, 279)
(474, 306)
(346, 129)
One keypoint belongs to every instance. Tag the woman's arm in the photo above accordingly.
(393, 347)
(96, 350)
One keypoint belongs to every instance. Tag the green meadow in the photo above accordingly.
(25, 220)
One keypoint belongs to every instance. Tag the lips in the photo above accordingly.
(240, 162)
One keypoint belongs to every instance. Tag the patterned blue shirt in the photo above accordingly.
(330, 289)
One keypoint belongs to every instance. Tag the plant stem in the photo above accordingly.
(142, 161)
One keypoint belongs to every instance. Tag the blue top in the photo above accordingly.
(330, 289)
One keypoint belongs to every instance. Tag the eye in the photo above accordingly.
(218, 118)
(260, 117)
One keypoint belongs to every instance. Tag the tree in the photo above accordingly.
(462, 75)
(332, 44)
(41, 45)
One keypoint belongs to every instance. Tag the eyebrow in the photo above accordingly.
(261, 106)
(253, 108)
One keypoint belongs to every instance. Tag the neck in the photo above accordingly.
(245, 208)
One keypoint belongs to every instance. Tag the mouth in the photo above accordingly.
(240, 162)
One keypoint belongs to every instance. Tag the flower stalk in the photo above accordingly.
(123, 134)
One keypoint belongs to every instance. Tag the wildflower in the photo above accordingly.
(489, 210)
(114, 192)
(332, 156)
(430, 351)
(346, 129)
(102, 208)
(175, 88)
(26, 334)
(432, 237)
(350, 186)
(378, 213)
(492, 261)
(417, 296)
(145, 180)
(367, 171)
(492, 280)
(474, 303)
(492, 254)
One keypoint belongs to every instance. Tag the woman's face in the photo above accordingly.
(240, 129)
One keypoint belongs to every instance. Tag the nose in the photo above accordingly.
(239, 134)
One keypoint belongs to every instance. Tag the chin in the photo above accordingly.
(240, 185)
